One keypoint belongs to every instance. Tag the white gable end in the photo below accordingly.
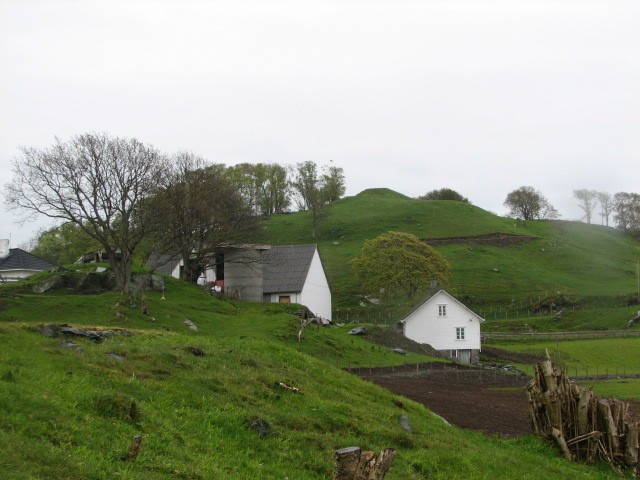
(316, 294)
(444, 323)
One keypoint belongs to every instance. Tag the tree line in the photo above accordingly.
(126, 197)
(528, 203)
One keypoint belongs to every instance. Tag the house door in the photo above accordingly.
(464, 356)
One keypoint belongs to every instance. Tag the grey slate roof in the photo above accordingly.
(286, 267)
(164, 263)
(19, 259)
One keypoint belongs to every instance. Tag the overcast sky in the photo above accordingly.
(482, 96)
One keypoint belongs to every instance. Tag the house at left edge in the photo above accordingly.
(263, 273)
(16, 264)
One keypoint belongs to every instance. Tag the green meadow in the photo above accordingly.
(70, 411)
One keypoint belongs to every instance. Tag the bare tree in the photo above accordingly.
(606, 206)
(528, 203)
(197, 211)
(588, 200)
(96, 182)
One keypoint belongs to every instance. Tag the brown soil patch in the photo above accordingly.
(490, 401)
(485, 400)
(489, 239)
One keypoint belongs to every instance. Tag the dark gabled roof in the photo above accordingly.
(19, 259)
(286, 267)
(163, 263)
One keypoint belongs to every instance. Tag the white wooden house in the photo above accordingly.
(447, 325)
(16, 263)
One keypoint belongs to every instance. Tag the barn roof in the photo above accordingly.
(18, 259)
(286, 267)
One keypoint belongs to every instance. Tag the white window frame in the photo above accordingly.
(460, 333)
(442, 310)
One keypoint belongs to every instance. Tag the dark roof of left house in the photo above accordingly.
(19, 259)
(286, 267)
(164, 263)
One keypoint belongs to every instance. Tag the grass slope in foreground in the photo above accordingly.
(70, 414)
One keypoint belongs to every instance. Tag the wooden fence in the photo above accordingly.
(490, 337)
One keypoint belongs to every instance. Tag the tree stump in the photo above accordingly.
(354, 464)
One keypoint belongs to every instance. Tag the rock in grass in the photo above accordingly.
(196, 351)
(261, 427)
(358, 331)
(190, 325)
(400, 351)
(404, 423)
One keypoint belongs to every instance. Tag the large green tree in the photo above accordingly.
(65, 243)
(397, 263)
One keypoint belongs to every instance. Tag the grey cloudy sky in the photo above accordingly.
(482, 96)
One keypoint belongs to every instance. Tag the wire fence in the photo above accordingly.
(492, 337)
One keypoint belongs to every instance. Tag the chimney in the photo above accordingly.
(4, 247)
(434, 284)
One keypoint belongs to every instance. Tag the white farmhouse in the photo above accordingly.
(447, 325)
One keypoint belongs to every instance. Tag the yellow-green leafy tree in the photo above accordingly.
(399, 264)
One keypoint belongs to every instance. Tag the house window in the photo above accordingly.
(442, 310)
(459, 333)
(284, 299)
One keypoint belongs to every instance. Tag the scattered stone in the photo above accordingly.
(101, 269)
(196, 351)
(400, 351)
(190, 324)
(373, 300)
(441, 418)
(404, 423)
(50, 284)
(358, 331)
(52, 330)
(156, 283)
(91, 283)
(66, 344)
(261, 427)
(115, 356)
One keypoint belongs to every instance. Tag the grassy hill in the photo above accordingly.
(70, 411)
(577, 264)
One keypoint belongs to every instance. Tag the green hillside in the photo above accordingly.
(574, 263)
(70, 411)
